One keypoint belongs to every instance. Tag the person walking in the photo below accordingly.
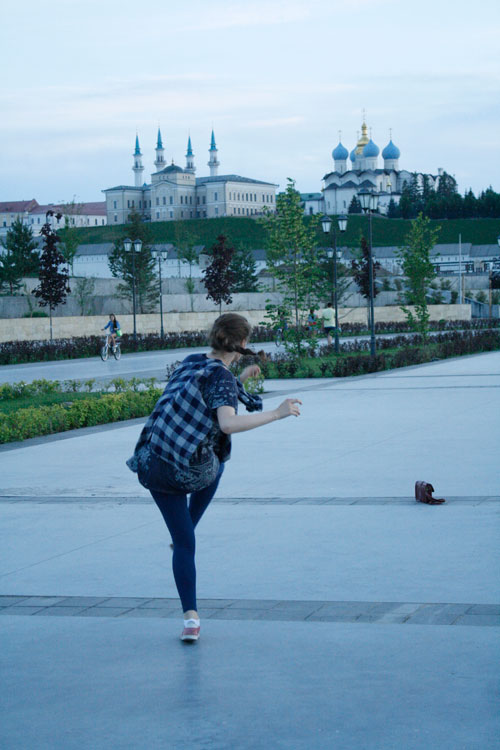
(186, 442)
(328, 317)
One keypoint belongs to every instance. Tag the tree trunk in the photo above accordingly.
(50, 313)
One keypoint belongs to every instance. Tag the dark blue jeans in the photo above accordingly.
(182, 518)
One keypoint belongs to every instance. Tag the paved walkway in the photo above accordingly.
(140, 364)
(337, 612)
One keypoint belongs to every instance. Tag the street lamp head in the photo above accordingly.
(127, 244)
(164, 255)
(374, 198)
(330, 253)
(364, 199)
(137, 246)
(326, 224)
(342, 222)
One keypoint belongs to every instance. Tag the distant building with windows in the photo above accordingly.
(33, 215)
(342, 184)
(176, 193)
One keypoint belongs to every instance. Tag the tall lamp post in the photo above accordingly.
(133, 247)
(161, 256)
(328, 227)
(369, 204)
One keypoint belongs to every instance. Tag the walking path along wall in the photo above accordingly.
(34, 329)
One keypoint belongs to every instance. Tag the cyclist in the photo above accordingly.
(114, 330)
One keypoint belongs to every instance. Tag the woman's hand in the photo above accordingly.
(289, 408)
(252, 371)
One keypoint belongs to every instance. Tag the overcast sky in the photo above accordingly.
(277, 81)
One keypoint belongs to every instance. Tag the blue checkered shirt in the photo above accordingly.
(181, 419)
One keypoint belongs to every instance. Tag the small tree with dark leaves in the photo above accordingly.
(218, 276)
(54, 282)
(361, 273)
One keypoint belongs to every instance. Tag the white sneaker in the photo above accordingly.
(191, 631)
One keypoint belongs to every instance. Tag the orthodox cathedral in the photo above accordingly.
(345, 181)
(176, 193)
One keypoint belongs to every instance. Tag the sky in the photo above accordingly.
(276, 80)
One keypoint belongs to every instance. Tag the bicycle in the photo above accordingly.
(107, 348)
(278, 337)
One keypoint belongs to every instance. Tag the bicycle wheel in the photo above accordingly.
(278, 340)
(117, 352)
(104, 353)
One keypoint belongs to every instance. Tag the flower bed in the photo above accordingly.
(400, 351)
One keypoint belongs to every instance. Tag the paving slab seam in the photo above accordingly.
(412, 613)
(146, 499)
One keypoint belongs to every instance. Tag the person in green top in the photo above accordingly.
(328, 317)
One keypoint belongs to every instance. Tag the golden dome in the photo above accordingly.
(363, 140)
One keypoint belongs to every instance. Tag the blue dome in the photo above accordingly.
(340, 152)
(371, 149)
(391, 151)
(352, 155)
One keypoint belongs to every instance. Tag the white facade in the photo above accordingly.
(359, 170)
(176, 193)
(33, 215)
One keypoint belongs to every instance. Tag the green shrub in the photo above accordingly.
(44, 420)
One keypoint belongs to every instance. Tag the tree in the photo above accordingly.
(393, 211)
(54, 283)
(218, 276)
(21, 257)
(361, 273)
(84, 292)
(70, 234)
(122, 265)
(291, 256)
(419, 271)
(354, 206)
(244, 267)
(186, 251)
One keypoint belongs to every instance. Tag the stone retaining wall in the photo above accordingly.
(29, 329)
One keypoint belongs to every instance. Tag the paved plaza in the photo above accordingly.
(336, 611)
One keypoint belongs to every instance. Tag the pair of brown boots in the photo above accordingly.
(423, 494)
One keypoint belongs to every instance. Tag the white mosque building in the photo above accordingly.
(176, 193)
(363, 172)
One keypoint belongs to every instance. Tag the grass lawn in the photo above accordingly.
(9, 406)
(251, 234)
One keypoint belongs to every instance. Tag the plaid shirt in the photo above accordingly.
(181, 419)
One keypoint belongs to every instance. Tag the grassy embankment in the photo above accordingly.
(251, 234)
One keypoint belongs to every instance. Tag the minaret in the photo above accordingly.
(190, 158)
(160, 160)
(213, 162)
(137, 169)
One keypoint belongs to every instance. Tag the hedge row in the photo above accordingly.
(13, 391)
(16, 352)
(355, 359)
(45, 420)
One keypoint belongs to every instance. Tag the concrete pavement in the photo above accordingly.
(336, 611)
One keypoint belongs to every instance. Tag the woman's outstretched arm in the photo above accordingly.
(230, 422)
